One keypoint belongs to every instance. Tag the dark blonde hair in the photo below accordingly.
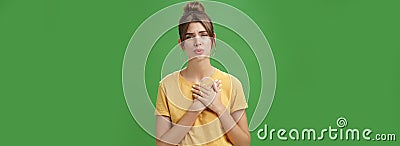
(194, 12)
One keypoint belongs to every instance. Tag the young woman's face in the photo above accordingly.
(197, 41)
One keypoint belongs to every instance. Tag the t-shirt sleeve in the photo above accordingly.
(161, 103)
(238, 99)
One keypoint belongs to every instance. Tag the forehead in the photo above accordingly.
(195, 27)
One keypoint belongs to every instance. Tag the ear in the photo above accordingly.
(179, 42)
(215, 39)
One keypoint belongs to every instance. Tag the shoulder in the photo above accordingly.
(234, 81)
(169, 78)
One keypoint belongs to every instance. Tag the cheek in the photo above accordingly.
(187, 44)
(208, 43)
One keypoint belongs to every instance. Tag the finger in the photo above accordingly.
(197, 92)
(205, 90)
(195, 96)
(200, 87)
(196, 86)
(206, 87)
(218, 82)
(201, 99)
(220, 87)
(215, 87)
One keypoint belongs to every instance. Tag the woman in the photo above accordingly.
(193, 108)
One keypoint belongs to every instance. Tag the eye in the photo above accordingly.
(188, 37)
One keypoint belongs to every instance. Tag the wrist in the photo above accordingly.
(196, 107)
(195, 110)
(219, 110)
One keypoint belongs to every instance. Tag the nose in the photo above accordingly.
(197, 41)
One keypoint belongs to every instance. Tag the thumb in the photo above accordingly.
(215, 87)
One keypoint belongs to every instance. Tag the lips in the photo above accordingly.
(198, 51)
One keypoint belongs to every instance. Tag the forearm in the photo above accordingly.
(236, 135)
(178, 131)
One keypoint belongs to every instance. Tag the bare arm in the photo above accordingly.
(168, 133)
(236, 127)
(235, 124)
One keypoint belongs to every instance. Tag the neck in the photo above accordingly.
(199, 68)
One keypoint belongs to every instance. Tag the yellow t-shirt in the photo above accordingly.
(175, 96)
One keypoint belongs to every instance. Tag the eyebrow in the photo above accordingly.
(193, 33)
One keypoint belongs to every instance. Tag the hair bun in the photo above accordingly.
(193, 7)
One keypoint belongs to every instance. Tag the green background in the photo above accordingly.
(61, 68)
